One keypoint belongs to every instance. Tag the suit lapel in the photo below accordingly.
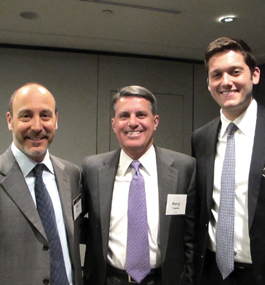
(64, 188)
(107, 175)
(211, 141)
(15, 185)
(167, 184)
(257, 164)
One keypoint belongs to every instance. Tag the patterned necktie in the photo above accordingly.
(138, 259)
(226, 216)
(46, 213)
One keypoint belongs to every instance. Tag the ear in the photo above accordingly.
(208, 85)
(156, 121)
(56, 116)
(256, 75)
(9, 121)
(113, 124)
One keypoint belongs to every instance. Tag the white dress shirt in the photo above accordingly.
(26, 165)
(119, 209)
(244, 139)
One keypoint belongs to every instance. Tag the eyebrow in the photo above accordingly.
(30, 111)
(230, 67)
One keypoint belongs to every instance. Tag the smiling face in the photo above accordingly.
(231, 82)
(134, 125)
(33, 120)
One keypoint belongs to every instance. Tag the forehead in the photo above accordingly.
(226, 58)
(32, 98)
(133, 104)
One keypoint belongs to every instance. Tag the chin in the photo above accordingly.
(35, 152)
(134, 146)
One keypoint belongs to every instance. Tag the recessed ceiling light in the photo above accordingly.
(29, 15)
(227, 19)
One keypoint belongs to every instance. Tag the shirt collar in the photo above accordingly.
(26, 164)
(244, 122)
(148, 161)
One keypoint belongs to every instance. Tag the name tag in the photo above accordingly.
(176, 204)
(77, 206)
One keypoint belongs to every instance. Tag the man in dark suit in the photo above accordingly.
(27, 247)
(169, 183)
(232, 72)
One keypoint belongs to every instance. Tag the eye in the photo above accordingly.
(141, 115)
(237, 72)
(123, 115)
(25, 116)
(46, 115)
(216, 75)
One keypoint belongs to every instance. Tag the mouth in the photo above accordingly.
(229, 93)
(134, 133)
(36, 139)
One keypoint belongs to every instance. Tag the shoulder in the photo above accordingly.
(98, 160)
(174, 156)
(65, 165)
(7, 161)
(261, 110)
(212, 124)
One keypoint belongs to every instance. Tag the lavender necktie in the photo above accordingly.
(47, 216)
(226, 216)
(138, 259)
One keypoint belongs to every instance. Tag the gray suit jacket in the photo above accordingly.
(204, 142)
(176, 175)
(24, 257)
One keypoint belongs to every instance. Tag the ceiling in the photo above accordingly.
(168, 28)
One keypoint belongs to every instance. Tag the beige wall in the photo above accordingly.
(83, 85)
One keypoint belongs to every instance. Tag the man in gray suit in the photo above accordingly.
(26, 245)
(169, 195)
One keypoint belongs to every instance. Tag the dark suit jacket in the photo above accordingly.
(176, 175)
(24, 257)
(204, 149)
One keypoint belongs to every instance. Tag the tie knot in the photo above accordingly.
(37, 170)
(231, 129)
(136, 165)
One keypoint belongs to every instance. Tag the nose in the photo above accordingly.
(36, 125)
(227, 80)
(133, 122)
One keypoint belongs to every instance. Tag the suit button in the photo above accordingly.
(46, 281)
(45, 247)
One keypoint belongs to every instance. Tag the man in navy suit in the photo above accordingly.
(232, 72)
(169, 179)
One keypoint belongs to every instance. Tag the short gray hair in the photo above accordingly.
(135, 91)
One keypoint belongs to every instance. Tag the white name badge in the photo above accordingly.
(176, 204)
(77, 206)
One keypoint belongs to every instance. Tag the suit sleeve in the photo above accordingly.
(84, 232)
(190, 226)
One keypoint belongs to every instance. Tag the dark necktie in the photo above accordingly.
(46, 213)
(226, 215)
(138, 258)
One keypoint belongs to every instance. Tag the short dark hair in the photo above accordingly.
(10, 105)
(226, 44)
(135, 91)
